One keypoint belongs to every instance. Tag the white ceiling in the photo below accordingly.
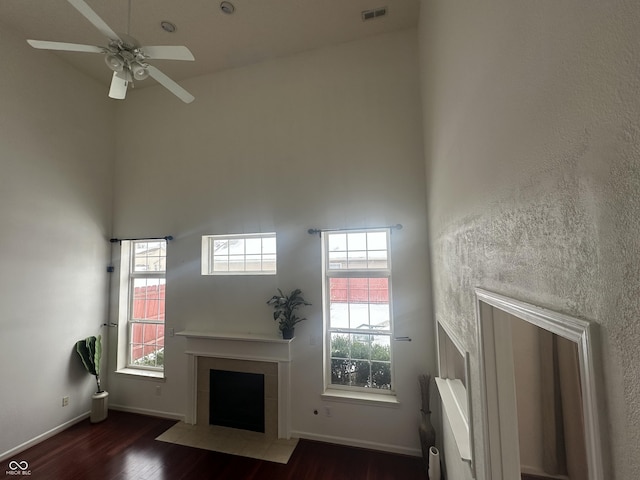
(258, 30)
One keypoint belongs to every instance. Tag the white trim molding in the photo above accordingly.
(240, 346)
(501, 447)
(147, 411)
(350, 442)
(454, 387)
(42, 437)
(454, 401)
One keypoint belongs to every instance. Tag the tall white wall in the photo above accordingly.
(329, 138)
(532, 141)
(56, 151)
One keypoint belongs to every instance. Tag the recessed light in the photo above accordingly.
(168, 26)
(227, 7)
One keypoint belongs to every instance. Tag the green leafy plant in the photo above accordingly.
(153, 359)
(90, 352)
(350, 364)
(285, 307)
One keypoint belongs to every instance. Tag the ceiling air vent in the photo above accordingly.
(374, 13)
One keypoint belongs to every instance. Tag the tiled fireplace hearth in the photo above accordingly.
(238, 352)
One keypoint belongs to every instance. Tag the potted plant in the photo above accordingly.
(90, 352)
(284, 313)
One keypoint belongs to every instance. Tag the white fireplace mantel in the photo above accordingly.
(240, 346)
(246, 346)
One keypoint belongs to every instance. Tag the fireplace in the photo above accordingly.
(268, 356)
(269, 396)
(236, 400)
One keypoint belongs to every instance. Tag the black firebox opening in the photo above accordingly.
(236, 399)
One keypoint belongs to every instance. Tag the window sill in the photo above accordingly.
(143, 374)
(363, 398)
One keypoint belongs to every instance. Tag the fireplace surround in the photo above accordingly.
(237, 400)
(240, 352)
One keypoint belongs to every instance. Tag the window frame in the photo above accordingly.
(368, 272)
(208, 263)
(131, 277)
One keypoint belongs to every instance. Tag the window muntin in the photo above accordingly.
(147, 293)
(149, 256)
(358, 318)
(148, 299)
(361, 360)
(246, 254)
(359, 303)
(358, 250)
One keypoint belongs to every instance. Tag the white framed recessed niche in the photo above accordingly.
(569, 377)
(453, 386)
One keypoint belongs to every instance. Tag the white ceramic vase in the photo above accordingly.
(434, 464)
(99, 407)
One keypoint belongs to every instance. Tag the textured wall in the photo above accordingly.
(532, 142)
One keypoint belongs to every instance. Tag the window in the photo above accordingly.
(357, 310)
(146, 300)
(246, 254)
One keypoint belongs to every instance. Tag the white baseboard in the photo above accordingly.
(40, 438)
(351, 442)
(146, 411)
(526, 469)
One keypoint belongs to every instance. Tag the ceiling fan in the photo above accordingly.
(124, 56)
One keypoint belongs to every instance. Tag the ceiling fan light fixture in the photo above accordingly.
(124, 56)
(139, 72)
(114, 62)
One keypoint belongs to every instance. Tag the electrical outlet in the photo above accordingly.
(158, 390)
(327, 411)
(65, 401)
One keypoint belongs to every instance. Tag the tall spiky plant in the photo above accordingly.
(90, 352)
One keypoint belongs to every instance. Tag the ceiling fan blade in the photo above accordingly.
(119, 85)
(166, 52)
(170, 85)
(93, 17)
(68, 47)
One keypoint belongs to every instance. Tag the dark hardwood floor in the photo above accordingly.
(123, 447)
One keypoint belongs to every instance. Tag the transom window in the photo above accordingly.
(357, 309)
(246, 254)
(147, 283)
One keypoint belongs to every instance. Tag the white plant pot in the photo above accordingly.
(434, 464)
(99, 407)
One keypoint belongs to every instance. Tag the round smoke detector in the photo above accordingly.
(227, 8)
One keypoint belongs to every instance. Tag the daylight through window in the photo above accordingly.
(357, 309)
(246, 254)
(147, 282)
